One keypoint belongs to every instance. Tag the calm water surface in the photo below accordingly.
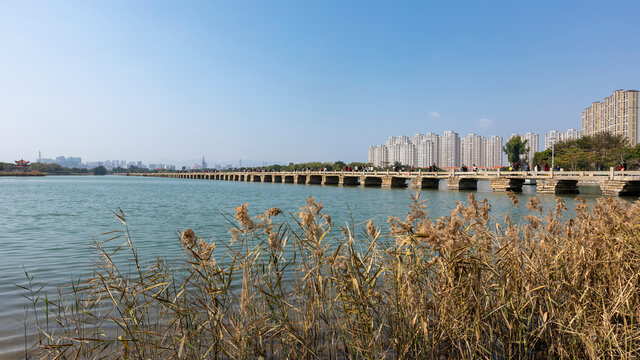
(47, 225)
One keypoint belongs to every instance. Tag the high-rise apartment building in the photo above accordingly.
(533, 142)
(435, 139)
(450, 149)
(571, 134)
(617, 114)
(555, 136)
(550, 138)
(426, 155)
(473, 150)
(391, 148)
(379, 155)
(394, 146)
(493, 152)
(408, 154)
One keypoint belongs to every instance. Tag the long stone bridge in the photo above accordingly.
(612, 183)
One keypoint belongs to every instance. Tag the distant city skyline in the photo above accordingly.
(297, 81)
(202, 163)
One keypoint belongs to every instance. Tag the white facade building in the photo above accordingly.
(378, 155)
(426, 155)
(407, 154)
(533, 142)
(493, 152)
(450, 150)
(555, 136)
(473, 150)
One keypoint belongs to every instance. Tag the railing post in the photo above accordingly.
(611, 173)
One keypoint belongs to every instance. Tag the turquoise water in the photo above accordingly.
(47, 224)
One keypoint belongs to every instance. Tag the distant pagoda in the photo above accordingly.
(22, 163)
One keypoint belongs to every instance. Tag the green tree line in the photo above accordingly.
(52, 169)
(314, 165)
(597, 152)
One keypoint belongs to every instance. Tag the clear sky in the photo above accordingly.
(281, 81)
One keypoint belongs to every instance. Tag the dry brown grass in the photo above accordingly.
(461, 286)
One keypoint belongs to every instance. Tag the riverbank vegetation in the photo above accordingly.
(288, 286)
(53, 169)
(597, 152)
(315, 165)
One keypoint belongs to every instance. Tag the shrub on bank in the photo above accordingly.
(461, 286)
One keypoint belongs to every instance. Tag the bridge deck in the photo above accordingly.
(612, 183)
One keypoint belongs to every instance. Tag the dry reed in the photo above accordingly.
(461, 286)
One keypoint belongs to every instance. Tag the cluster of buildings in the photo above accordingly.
(76, 162)
(70, 162)
(448, 150)
(617, 114)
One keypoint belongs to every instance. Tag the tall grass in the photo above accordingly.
(461, 286)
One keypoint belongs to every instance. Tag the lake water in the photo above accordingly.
(47, 224)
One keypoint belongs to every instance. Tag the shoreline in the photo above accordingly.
(22, 174)
(19, 173)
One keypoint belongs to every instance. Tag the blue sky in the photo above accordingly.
(281, 81)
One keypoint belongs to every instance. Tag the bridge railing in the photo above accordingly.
(595, 175)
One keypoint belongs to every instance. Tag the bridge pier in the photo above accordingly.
(256, 178)
(620, 187)
(277, 178)
(461, 183)
(349, 180)
(267, 178)
(501, 184)
(288, 179)
(557, 186)
(425, 182)
(389, 181)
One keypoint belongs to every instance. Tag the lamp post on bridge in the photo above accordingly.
(553, 148)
